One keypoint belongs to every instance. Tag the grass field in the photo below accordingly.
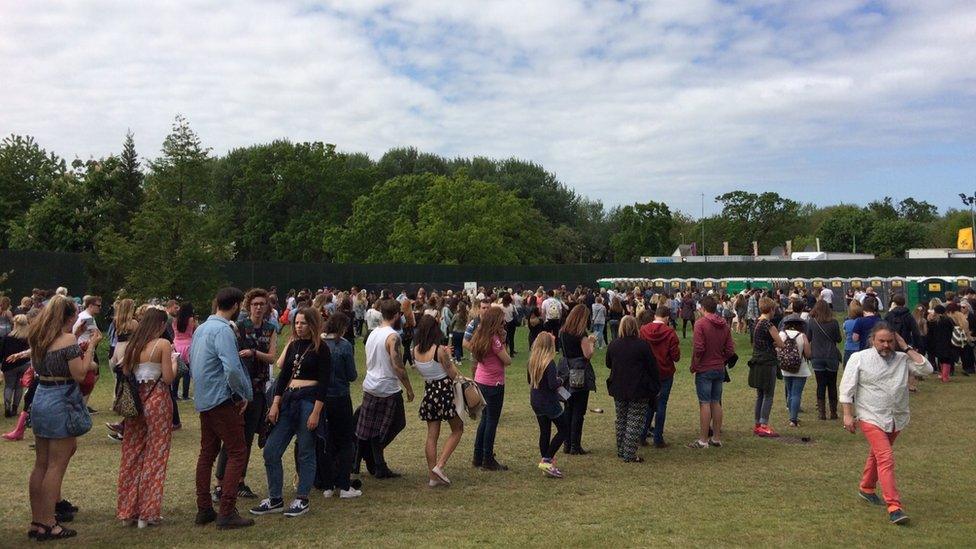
(751, 492)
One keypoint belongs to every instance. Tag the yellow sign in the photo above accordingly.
(855, 284)
(876, 283)
(962, 282)
(965, 239)
(836, 283)
(675, 284)
(817, 284)
(896, 283)
(659, 284)
(708, 284)
(935, 287)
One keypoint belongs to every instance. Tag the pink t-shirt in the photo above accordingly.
(490, 369)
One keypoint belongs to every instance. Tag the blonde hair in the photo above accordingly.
(543, 351)
(49, 325)
(628, 326)
(21, 327)
(125, 311)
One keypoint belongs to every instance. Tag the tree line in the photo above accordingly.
(160, 227)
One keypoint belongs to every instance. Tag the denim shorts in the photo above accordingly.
(49, 410)
(708, 385)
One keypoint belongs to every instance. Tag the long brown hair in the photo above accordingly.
(821, 312)
(492, 323)
(314, 321)
(153, 322)
(49, 325)
(576, 321)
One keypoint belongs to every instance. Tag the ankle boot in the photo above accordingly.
(833, 408)
(944, 374)
(18, 432)
(821, 409)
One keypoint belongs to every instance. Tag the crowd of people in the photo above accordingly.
(246, 389)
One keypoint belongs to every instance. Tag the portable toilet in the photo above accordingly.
(857, 284)
(605, 283)
(839, 287)
(898, 285)
(674, 285)
(708, 284)
(800, 284)
(691, 284)
(817, 284)
(932, 287)
(878, 284)
(724, 286)
(736, 285)
(963, 283)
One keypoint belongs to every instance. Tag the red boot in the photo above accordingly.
(944, 374)
(18, 432)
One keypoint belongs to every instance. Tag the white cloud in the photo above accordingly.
(624, 101)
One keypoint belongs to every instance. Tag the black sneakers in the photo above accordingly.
(268, 506)
(297, 508)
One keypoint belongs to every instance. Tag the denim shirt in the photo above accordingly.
(215, 365)
(343, 367)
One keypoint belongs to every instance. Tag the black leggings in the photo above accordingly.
(684, 326)
(510, 335)
(576, 410)
(826, 383)
(548, 444)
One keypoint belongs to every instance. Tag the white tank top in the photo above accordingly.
(431, 370)
(149, 371)
(380, 379)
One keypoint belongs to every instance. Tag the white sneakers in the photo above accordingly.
(343, 494)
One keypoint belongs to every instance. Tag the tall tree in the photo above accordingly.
(846, 228)
(766, 218)
(27, 173)
(917, 210)
(642, 230)
(178, 235)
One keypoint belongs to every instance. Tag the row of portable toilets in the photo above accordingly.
(916, 289)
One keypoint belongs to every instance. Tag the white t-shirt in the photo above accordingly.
(801, 343)
(380, 380)
(85, 318)
(552, 309)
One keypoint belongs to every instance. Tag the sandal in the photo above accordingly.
(46, 532)
(31, 534)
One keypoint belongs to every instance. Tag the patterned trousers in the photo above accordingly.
(630, 422)
(145, 453)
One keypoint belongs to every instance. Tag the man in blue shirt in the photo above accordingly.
(223, 389)
(864, 325)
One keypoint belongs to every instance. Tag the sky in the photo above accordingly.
(823, 102)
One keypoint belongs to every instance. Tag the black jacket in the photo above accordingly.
(903, 323)
(633, 370)
(940, 340)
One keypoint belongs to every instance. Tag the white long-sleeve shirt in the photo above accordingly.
(878, 388)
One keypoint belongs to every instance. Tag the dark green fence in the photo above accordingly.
(77, 272)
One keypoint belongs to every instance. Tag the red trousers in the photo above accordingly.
(880, 465)
(222, 425)
(145, 454)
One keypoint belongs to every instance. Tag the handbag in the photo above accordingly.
(127, 402)
(77, 418)
(182, 368)
(27, 378)
(576, 369)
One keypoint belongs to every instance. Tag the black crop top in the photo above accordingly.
(312, 366)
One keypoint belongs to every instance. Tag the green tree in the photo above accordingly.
(766, 218)
(27, 173)
(883, 209)
(642, 230)
(61, 221)
(846, 228)
(919, 211)
(178, 237)
(891, 237)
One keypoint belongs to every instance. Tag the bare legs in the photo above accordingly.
(430, 449)
(51, 461)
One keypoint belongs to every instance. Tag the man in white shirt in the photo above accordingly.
(83, 329)
(875, 386)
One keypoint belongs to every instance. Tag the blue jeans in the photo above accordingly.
(598, 331)
(794, 392)
(708, 385)
(661, 411)
(484, 440)
(457, 338)
(292, 421)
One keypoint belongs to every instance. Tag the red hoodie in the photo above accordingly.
(712, 344)
(664, 345)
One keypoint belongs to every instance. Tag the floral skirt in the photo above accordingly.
(438, 402)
